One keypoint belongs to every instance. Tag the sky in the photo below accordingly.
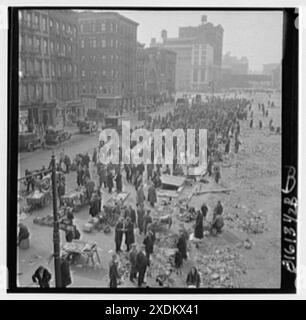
(254, 34)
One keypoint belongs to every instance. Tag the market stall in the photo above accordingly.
(81, 252)
(38, 199)
(75, 199)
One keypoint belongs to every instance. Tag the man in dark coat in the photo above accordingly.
(130, 212)
(110, 182)
(152, 198)
(204, 210)
(182, 245)
(149, 245)
(141, 265)
(132, 259)
(90, 187)
(102, 176)
(218, 209)
(42, 276)
(118, 234)
(129, 233)
(113, 272)
(140, 217)
(65, 272)
(147, 219)
(119, 182)
(94, 156)
(86, 160)
(198, 230)
(80, 175)
(23, 233)
(94, 208)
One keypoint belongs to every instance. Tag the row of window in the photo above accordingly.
(33, 19)
(102, 43)
(47, 91)
(103, 73)
(38, 67)
(110, 59)
(45, 46)
(108, 26)
(100, 88)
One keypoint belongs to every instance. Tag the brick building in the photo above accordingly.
(108, 44)
(155, 74)
(199, 55)
(234, 65)
(48, 68)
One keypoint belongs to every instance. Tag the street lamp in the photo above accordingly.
(56, 233)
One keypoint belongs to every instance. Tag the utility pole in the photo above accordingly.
(56, 233)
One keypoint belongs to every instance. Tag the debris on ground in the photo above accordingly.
(220, 268)
(249, 222)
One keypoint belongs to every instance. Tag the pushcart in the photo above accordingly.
(38, 199)
(81, 252)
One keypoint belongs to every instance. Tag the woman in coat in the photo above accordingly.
(182, 245)
(193, 278)
(152, 195)
(42, 276)
(198, 230)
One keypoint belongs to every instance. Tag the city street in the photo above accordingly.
(253, 175)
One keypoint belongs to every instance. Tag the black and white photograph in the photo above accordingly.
(149, 149)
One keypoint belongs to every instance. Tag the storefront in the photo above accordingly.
(36, 117)
(74, 111)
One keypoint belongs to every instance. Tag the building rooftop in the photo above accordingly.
(90, 15)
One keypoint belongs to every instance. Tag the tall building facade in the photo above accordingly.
(108, 45)
(155, 74)
(48, 68)
(199, 55)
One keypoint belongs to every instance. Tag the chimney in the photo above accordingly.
(204, 19)
(164, 35)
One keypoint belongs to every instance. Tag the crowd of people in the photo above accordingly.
(221, 117)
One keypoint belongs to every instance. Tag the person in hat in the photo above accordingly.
(147, 219)
(23, 234)
(42, 277)
(140, 198)
(149, 245)
(132, 259)
(118, 182)
(218, 210)
(129, 233)
(182, 245)
(113, 272)
(140, 217)
(152, 198)
(141, 265)
(198, 229)
(118, 234)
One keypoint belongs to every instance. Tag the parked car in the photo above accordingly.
(86, 126)
(30, 141)
(54, 136)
